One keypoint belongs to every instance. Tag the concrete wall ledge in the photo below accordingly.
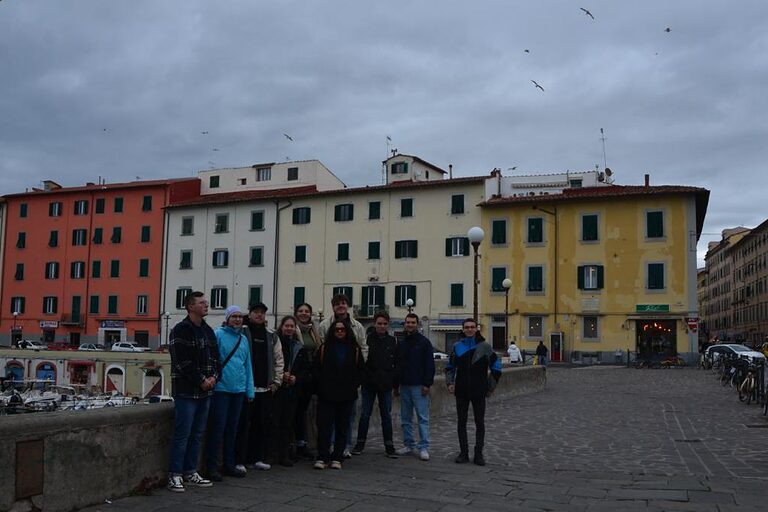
(85, 457)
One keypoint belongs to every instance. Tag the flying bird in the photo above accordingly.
(537, 85)
(288, 137)
(512, 168)
(527, 50)
(667, 29)
(204, 133)
(215, 149)
(587, 13)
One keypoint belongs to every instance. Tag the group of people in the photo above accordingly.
(250, 388)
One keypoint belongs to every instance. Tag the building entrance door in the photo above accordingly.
(111, 337)
(49, 336)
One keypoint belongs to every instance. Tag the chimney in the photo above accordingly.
(450, 171)
(647, 180)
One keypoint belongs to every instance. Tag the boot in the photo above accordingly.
(479, 459)
(359, 447)
(462, 458)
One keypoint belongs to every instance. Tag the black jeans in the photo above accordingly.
(283, 416)
(253, 430)
(304, 392)
(332, 415)
(478, 411)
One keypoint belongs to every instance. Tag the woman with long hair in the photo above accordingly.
(307, 332)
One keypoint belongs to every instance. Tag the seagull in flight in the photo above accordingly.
(215, 149)
(204, 133)
(667, 30)
(527, 50)
(587, 13)
(288, 137)
(537, 85)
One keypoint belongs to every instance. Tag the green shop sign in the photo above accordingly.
(651, 307)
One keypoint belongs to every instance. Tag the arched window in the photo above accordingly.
(114, 379)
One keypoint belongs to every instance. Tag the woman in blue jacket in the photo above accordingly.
(235, 384)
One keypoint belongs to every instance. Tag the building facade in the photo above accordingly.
(749, 298)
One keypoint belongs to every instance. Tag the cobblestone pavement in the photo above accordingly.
(597, 439)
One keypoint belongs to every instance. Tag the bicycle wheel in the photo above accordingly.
(744, 391)
(751, 388)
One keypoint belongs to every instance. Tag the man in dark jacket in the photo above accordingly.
(416, 363)
(194, 372)
(471, 374)
(541, 353)
(378, 382)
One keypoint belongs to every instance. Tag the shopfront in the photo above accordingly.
(656, 339)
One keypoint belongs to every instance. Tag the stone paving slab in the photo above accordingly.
(611, 440)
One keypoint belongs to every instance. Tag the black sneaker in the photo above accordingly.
(479, 459)
(390, 451)
(463, 458)
(358, 449)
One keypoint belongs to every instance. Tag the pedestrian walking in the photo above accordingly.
(541, 353)
(514, 353)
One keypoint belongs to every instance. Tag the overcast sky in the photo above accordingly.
(126, 89)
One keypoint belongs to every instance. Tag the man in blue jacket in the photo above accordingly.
(416, 374)
(471, 374)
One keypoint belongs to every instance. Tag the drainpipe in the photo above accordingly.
(278, 209)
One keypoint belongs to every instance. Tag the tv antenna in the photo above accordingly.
(384, 164)
(602, 138)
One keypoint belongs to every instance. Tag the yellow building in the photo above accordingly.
(595, 271)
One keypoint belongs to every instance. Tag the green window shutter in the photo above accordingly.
(145, 231)
(498, 274)
(298, 296)
(535, 279)
(499, 232)
(465, 246)
(186, 259)
(415, 245)
(23, 210)
(53, 241)
(374, 250)
(457, 294)
(118, 205)
(76, 302)
(655, 276)
(99, 205)
(257, 221)
(398, 250)
(96, 268)
(580, 277)
(411, 291)
(301, 254)
(254, 295)
(98, 235)
(654, 224)
(535, 231)
(112, 305)
(337, 212)
(295, 215)
(364, 296)
(257, 257)
(589, 228)
(146, 204)
(374, 210)
(144, 267)
(448, 246)
(406, 207)
(600, 277)
(342, 252)
(457, 204)
(399, 300)
(378, 296)
(114, 268)
(93, 307)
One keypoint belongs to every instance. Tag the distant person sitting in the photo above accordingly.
(514, 353)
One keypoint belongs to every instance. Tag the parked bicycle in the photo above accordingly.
(748, 389)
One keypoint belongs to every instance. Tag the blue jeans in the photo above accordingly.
(410, 399)
(385, 411)
(189, 425)
(224, 418)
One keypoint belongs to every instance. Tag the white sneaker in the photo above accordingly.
(175, 484)
(241, 468)
(335, 464)
(406, 451)
(423, 454)
(346, 454)
(261, 465)
(196, 480)
(319, 464)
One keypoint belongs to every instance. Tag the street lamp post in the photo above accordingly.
(506, 284)
(15, 316)
(409, 305)
(475, 235)
(167, 317)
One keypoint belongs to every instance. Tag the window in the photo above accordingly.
(213, 182)
(374, 250)
(656, 276)
(300, 254)
(18, 305)
(93, 306)
(344, 212)
(457, 246)
(457, 204)
(23, 208)
(220, 258)
(399, 168)
(535, 327)
(181, 295)
(96, 268)
(257, 220)
(263, 174)
(186, 260)
(19, 275)
(372, 299)
(146, 204)
(257, 257)
(219, 298)
(112, 305)
(98, 235)
(114, 268)
(406, 207)
(81, 207)
(79, 237)
(406, 249)
(403, 293)
(498, 275)
(342, 252)
(99, 208)
(53, 239)
(343, 290)
(77, 269)
(590, 331)
(118, 205)
(374, 210)
(117, 235)
(222, 223)
(499, 232)
(302, 215)
(144, 267)
(457, 294)
(52, 270)
(187, 226)
(254, 295)
(55, 209)
(145, 233)
(293, 173)
(50, 305)
(141, 304)
(535, 278)
(654, 224)
(575, 183)
(21, 240)
(590, 277)
(298, 296)
(535, 230)
(589, 228)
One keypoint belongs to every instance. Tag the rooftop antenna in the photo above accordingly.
(384, 164)
(602, 138)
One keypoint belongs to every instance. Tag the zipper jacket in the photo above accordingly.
(237, 375)
(473, 368)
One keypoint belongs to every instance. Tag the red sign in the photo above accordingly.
(693, 323)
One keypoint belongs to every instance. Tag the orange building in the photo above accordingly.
(84, 264)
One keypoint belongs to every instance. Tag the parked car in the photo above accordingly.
(129, 346)
(60, 346)
(91, 347)
(734, 350)
(32, 345)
